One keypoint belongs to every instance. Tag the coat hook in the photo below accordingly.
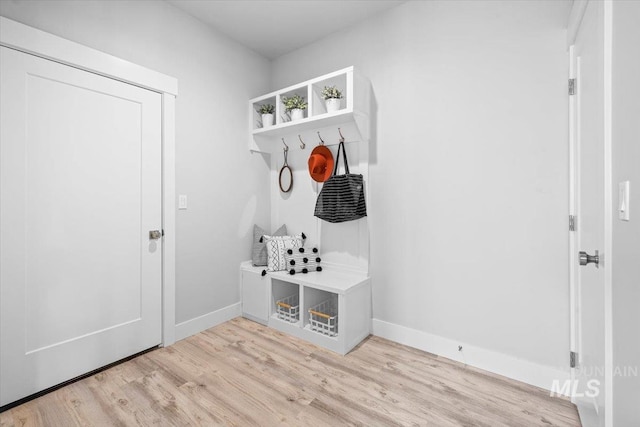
(341, 137)
(286, 147)
(302, 144)
(321, 140)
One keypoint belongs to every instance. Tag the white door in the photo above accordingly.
(590, 205)
(80, 181)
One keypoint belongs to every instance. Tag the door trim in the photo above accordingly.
(31, 40)
(15, 35)
(574, 25)
(573, 245)
(608, 211)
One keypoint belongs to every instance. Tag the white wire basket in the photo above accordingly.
(288, 308)
(323, 318)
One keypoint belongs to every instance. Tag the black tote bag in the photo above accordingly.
(342, 196)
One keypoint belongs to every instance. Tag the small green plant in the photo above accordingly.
(294, 102)
(330, 92)
(266, 109)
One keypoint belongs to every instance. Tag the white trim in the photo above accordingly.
(575, 19)
(36, 42)
(168, 219)
(608, 215)
(573, 235)
(30, 40)
(498, 363)
(206, 321)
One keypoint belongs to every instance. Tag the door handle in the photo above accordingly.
(586, 258)
(155, 234)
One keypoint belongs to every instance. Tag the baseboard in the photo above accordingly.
(498, 363)
(206, 321)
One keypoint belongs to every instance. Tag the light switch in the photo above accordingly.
(182, 201)
(623, 200)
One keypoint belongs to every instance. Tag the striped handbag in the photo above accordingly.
(342, 196)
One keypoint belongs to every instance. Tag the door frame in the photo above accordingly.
(575, 19)
(24, 38)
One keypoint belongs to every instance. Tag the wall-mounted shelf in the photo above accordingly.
(354, 109)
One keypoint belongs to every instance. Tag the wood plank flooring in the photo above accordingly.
(242, 373)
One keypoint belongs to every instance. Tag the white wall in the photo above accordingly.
(469, 169)
(626, 235)
(224, 182)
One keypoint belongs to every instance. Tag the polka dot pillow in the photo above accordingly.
(302, 260)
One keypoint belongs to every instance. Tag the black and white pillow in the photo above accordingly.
(277, 247)
(302, 260)
(259, 251)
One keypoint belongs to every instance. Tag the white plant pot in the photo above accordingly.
(333, 104)
(297, 114)
(267, 120)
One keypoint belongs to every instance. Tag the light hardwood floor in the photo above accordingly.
(241, 373)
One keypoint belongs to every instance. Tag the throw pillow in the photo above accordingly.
(259, 252)
(276, 248)
(302, 260)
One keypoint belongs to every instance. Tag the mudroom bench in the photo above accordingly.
(330, 308)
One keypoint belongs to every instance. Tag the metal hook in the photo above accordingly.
(286, 147)
(302, 144)
(321, 140)
(341, 137)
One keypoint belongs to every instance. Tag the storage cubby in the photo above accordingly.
(285, 301)
(321, 315)
(339, 81)
(284, 116)
(256, 118)
(288, 308)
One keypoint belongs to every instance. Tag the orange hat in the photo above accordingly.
(321, 163)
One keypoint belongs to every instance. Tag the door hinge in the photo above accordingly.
(573, 359)
(572, 223)
(572, 86)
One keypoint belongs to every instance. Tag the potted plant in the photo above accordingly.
(266, 111)
(295, 105)
(332, 97)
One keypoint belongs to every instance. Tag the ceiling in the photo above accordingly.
(275, 27)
